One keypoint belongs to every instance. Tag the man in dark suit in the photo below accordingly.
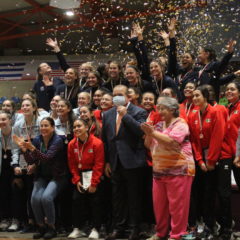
(125, 158)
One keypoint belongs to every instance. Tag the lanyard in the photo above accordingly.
(200, 125)
(80, 153)
(6, 144)
(188, 109)
(112, 84)
(29, 133)
(67, 96)
(202, 70)
(180, 78)
(156, 83)
(232, 112)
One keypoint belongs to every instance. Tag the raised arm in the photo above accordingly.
(54, 45)
(220, 66)
(170, 43)
(140, 50)
(229, 77)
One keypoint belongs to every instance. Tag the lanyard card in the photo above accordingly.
(86, 179)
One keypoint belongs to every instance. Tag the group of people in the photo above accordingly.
(114, 151)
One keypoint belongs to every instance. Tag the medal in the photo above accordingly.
(201, 136)
(80, 153)
(6, 143)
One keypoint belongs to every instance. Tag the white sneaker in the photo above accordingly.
(4, 224)
(94, 234)
(14, 226)
(76, 233)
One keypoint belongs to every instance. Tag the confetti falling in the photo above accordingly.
(103, 26)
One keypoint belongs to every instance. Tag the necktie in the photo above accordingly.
(118, 123)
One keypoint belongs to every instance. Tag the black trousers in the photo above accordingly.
(87, 206)
(203, 198)
(6, 194)
(224, 168)
(126, 197)
(147, 201)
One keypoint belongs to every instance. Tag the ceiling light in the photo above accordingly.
(69, 13)
(65, 4)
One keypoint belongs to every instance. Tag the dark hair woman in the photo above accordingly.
(46, 151)
(64, 122)
(207, 131)
(86, 163)
(87, 114)
(105, 104)
(70, 89)
(27, 128)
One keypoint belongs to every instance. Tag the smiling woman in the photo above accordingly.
(71, 88)
(86, 163)
(207, 128)
(173, 169)
(47, 153)
(27, 128)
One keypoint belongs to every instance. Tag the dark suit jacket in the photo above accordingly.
(128, 144)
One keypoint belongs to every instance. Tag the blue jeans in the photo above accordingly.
(42, 200)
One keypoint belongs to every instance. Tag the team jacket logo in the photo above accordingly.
(236, 112)
(196, 122)
(208, 120)
(90, 150)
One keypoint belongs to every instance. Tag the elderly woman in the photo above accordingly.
(173, 169)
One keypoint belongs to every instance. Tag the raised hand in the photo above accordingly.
(138, 31)
(163, 35)
(53, 44)
(237, 73)
(172, 24)
(230, 45)
(133, 32)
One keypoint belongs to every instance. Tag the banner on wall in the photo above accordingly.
(10, 71)
(28, 70)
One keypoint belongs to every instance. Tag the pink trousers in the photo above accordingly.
(171, 199)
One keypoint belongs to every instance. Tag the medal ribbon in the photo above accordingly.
(200, 124)
(6, 143)
(80, 154)
(188, 109)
